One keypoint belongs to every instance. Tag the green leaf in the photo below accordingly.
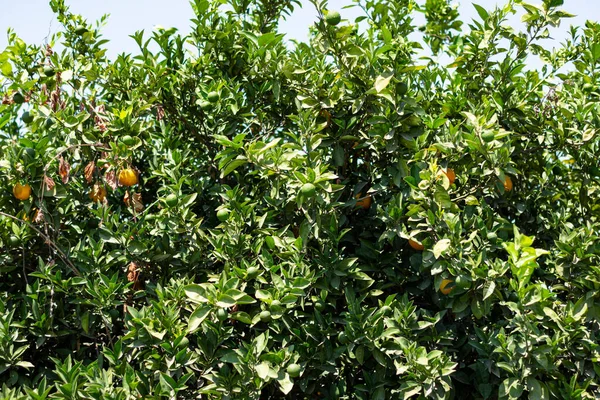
(196, 293)
(440, 247)
(197, 317)
(382, 81)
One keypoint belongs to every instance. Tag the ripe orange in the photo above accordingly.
(450, 174)
(128, 177)
(444, 286)
(416, 245)
(365, 203)
(22, 192)
(508, 185)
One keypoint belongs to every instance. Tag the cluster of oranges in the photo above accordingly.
(127, 177)
(447, 285)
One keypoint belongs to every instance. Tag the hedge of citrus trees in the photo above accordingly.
(228, 215)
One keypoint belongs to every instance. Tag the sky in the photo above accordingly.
(32, 20)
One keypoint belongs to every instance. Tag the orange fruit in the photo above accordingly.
(508, 185)
(128, 177)
(22, 192)
(365, 203)
(415, 245)
(444, 286)
(450, 174)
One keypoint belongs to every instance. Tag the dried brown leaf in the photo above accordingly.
(38, 217)
(89, 171)
(111, 179)
(64, 169)
(49, 182)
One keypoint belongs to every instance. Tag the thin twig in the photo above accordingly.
(61, 254)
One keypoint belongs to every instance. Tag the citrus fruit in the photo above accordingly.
(80, 29)
(206, 105)
(320, 305)
(128, 177)
(223, 215)
(508, 185)
(450, 174)
(49, 71)
(13, 241)
(213, 97)
(401, 88)
(488, 136)
(275, 304)
(27, 117)
(128, 140)
(29, 154)
(416, 245)
(171, 200)
(343, 339)
(18, 98)
(293, 370)
(22, 192)
(413, 120)
(222, 314)
(265, 316)
(252, 272)
(333, 18)
(365, 203)
(308, 190)
(444, 286)
(462, 282)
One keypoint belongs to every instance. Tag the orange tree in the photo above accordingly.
(228, 215)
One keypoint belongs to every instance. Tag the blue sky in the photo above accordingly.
(33, 19)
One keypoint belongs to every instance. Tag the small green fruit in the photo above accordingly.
(128, 140)
(293, 370)
(13, 241)
(333, 18)
(252, 272)
(206, 105)
(308, 190)
(265, 316)
(320, 305)
(462, 282)
(222, 314)
(27, 118)
(223, 215)
(171, 200)
(488, 136)
(213, 97)
(342, 338)
(80, 30)
(49, 71)
(413, 120)
(18, 98)
(401, 89)
(29, 154)
(275, 304)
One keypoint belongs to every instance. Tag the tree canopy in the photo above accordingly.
(228, 215)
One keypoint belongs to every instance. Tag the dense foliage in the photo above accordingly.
(230, 215)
